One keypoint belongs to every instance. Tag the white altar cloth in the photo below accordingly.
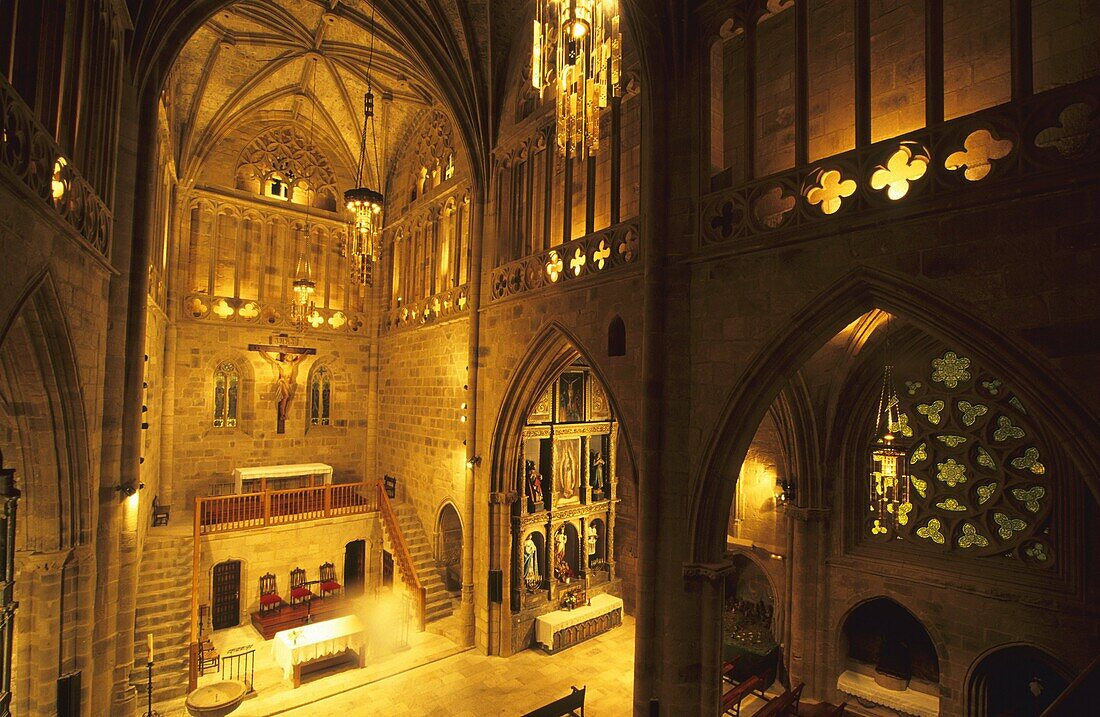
(320, 639)
(240, 475)
(546, 625)
(909, 701)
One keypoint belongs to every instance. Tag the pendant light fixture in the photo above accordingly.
(304, 287)
(889, 475)
(363, 203)
(577, 46)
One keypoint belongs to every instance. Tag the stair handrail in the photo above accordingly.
(401, 551)
(1082, 691)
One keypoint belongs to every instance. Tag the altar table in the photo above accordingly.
(909, 700)
(240, 475)
(319, 641)
(562, 628)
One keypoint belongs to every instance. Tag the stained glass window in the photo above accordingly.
(320, 397)
(227, 388)
(982, 478)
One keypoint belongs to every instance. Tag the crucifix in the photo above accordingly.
(284, 360)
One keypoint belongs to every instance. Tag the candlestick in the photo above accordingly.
(149, 644)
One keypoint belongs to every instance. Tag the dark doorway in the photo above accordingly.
(387, 569)
(354, 567)
(449, 547)
(226, 611)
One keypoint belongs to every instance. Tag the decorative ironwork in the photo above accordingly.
(552, 266)
(31, 155)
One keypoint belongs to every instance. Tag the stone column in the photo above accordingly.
(708, 582)
(807, 553)
(38, 583)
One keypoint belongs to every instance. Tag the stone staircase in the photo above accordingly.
(164, 609)
(438, 601)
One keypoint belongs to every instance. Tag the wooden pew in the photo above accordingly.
(728, 668)
(565, 707)
(785, 705)
(731, 701)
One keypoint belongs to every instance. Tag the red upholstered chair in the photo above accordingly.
(299, 591)
(328, 579)
(269, 596)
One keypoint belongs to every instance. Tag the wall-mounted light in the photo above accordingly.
(128, 490)
(474, 462)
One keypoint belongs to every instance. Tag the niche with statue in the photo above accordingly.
(563, 524)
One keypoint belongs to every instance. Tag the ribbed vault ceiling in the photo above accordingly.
(295, 61)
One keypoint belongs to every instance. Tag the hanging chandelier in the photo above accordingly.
(577, 47)
(302, 308)
(364, 204)
(889, 476)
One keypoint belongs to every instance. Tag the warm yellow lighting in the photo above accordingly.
(59, 185)
(889, 479)
(302, 311)
(583, 37)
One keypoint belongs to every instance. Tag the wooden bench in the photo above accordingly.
(728, 668)
(731, 701)
(565, 707)
(785, 705)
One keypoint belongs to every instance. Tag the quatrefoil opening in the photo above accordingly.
(904, 167)
(829, 190)
(980, 149)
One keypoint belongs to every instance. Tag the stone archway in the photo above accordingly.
(449, 539)
(43, 438)
(1015, 681)
(550, 355)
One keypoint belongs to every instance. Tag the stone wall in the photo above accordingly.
(421, 378)
(281, 548)
(202, 455)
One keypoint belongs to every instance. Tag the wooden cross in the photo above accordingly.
(284, 359)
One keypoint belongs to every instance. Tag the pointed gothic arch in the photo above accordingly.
(935, 314)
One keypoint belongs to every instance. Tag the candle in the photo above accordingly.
(149, 644)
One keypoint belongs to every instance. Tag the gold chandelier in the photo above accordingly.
(889, 476)
(578, 47)
(302, 309)
(363, 203)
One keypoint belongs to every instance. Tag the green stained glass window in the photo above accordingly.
(974, 457)
(227, 387)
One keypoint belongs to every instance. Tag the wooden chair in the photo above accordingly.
(208, 657)
(327, 574)
(269, 595)
(299, 591)
(160, 512)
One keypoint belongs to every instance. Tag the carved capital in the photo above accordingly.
(35, 563)
(503, 497)
(709, 572)
(806, 515)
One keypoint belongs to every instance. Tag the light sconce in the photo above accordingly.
(474, 462)
(784, 491)
(126, 491)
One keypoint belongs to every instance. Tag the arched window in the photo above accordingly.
(227, 390)
(320, 397)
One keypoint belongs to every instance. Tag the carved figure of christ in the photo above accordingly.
(284, 361)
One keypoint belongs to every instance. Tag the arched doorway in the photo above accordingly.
(749, 622)
(448, 547)
(1015, 681)
(885, 649)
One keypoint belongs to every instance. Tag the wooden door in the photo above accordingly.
(387, 569)
(355, 554)
(226, 610)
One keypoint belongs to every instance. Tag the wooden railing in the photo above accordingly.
(227, 513)
(401, 554)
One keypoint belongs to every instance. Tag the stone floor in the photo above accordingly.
(434, 676)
